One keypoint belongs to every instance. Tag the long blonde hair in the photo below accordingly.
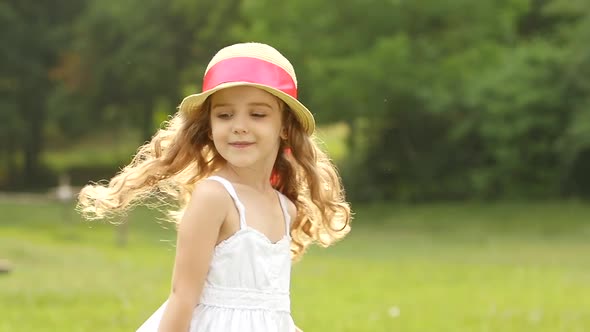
(181, 153)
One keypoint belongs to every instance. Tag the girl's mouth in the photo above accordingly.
(241, 145)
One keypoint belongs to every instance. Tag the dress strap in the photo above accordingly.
(286, 215)
(234, 195)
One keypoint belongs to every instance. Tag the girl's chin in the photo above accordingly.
(241, 162)
(247, 162)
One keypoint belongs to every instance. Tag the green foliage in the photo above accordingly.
(441, 100)
(32, 36)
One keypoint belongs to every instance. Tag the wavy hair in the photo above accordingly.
(181, 154)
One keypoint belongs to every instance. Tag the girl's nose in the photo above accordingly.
(239, 130)
(239, 125)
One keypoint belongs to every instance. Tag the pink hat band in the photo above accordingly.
(250, 70)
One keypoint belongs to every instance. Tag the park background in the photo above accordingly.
(461, 129)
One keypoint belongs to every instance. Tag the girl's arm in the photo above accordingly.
(197, 234)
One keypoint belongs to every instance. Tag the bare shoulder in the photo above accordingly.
(210, 192)
(208, 203)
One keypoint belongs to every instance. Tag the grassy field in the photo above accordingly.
(450, 267)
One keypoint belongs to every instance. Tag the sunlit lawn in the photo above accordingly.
(451, 267)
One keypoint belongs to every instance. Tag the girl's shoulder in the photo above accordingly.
(210, 194)
(206, 210)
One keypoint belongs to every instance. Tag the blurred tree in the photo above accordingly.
(451, 99)
(444, 99)
(397, 69)
(574, 145)
(33, 34)
(140, 54)
(70, 69)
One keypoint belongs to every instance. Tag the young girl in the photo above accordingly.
(254, 192)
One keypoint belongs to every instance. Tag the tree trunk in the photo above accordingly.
(33, 110)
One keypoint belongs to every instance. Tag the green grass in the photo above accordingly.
(450, 267)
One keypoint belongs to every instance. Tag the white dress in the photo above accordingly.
(247, 286)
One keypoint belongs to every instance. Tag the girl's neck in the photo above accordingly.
(256, 179)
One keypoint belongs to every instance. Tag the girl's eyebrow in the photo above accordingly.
(260, 104)
(220, 105)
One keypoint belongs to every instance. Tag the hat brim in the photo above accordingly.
(303, 115)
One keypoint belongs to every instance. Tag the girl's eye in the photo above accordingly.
(224, 115)
(258, 115)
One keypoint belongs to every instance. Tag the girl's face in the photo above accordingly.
(246, 126)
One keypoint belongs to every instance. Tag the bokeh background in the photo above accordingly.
(461, 129)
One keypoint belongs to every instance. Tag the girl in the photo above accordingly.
(254, 191)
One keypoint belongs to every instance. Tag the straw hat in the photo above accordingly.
(257, 65)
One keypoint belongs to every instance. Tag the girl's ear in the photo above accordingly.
(284, 135)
